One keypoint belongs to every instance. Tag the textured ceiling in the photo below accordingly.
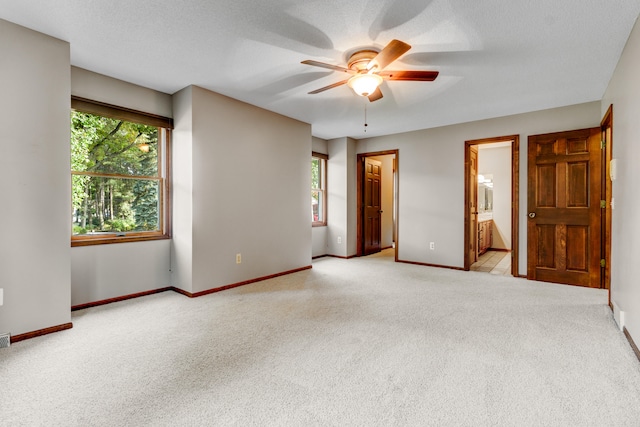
(495, 57)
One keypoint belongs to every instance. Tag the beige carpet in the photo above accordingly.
(351, 342)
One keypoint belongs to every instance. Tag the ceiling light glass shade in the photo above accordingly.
(364, 84)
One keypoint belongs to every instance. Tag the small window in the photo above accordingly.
(318, 189)
(119, 174)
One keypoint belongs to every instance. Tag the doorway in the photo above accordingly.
(479, 222)
(377, 195)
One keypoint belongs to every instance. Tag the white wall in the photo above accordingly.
(431, 178)
(98, 87)
(35, 183)
(182, 191)
(497, 161)
(108, 271)
(624, 93)
(250, 191)
(341, 204)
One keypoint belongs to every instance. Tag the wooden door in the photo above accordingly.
(473, 204)
(564, 207)
(372, 205)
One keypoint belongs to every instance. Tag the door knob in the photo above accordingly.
(379, 211)
(532, 214)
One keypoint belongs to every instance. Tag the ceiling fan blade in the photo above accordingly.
(422, 76)
(390, 53)
(325, 65)
(377, 94)
(322, 89)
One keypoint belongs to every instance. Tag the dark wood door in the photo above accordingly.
(564, 207)
(473, 205)
(372, 205)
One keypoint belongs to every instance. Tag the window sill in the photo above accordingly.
(318, 224)
(92, 241)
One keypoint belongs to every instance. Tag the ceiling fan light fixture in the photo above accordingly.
(364, 84)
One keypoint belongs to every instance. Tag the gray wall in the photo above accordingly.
(35, 183)
(624, 93)
(108, 271)
(250, 190)
(342, 193)
(431, 178)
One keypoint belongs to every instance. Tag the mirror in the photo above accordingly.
(485, 192)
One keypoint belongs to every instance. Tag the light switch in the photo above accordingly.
(1, 296)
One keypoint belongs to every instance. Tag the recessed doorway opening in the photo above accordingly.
(377, 195)
(491, 205)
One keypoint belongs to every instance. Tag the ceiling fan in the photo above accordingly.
(367, 69)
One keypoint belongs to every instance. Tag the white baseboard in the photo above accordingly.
(618, 315)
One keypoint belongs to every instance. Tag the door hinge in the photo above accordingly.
(603, 263)
(603, 144)
(603, 204)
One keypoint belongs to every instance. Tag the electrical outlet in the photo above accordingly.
(238, 258)
(432, 246)
(339, 240)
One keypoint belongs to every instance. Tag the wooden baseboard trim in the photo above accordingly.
(40, 332)
(499, 250)
(235, 285)
(182, 292)
(118, 299)
(341, 257)
(431, 265)
(611, 306)
(521, 276)
(631, 343)
(319, 256)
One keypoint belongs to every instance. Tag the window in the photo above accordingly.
(318, 189)
(119, 174)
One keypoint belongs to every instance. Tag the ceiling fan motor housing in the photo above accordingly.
(359, 60)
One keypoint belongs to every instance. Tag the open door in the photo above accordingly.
(377, 230)
(473, 204)
(564, 228)
(372, 211)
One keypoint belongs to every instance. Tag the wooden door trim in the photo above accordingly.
(360, 196)
(606, 127)
(515, 195)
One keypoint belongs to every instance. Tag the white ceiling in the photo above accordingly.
(495, 57)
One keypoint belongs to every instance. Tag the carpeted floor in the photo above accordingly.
(351, 342)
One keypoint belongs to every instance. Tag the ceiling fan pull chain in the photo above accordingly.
(365, 116)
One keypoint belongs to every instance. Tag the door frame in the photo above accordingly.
(360, 196)
(606, 127)
(515, 196)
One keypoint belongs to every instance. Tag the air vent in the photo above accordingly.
(5, 340)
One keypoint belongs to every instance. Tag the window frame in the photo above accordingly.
(165, 127)
(323, 184)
